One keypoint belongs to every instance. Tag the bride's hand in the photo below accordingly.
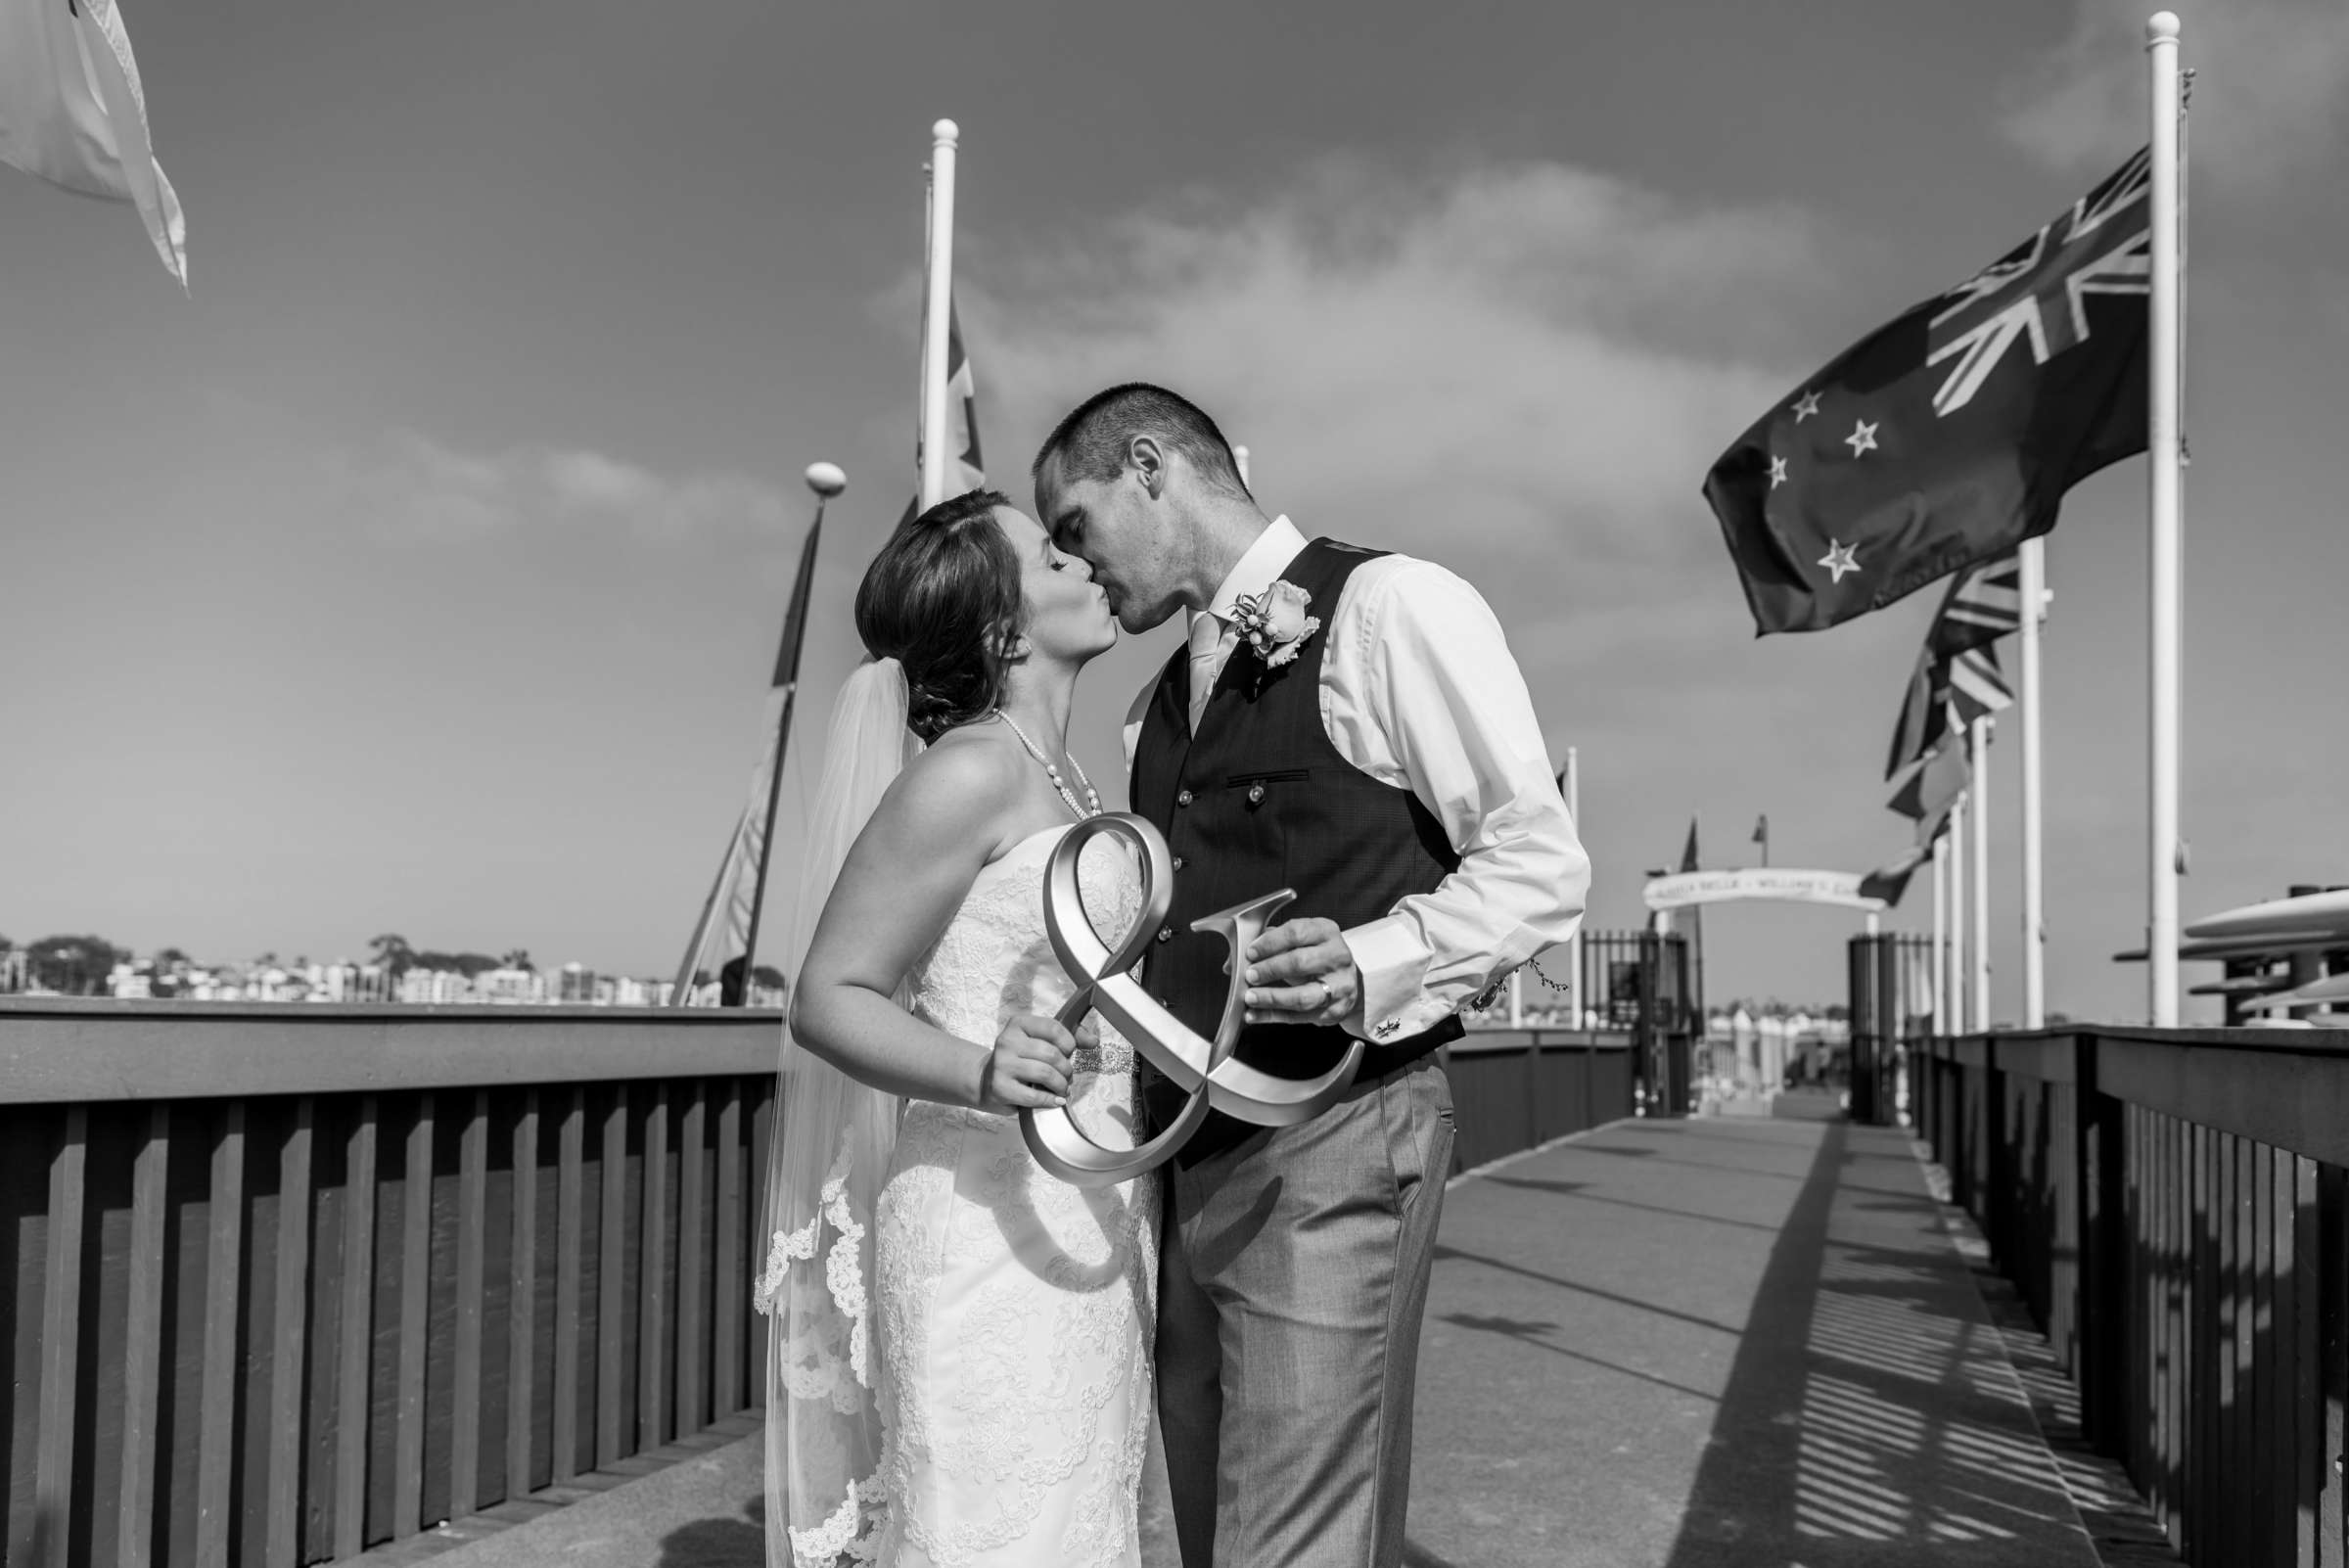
(1029, 1068)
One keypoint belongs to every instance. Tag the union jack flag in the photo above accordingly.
(1946, 694)
(1983, 605)
(2038, 293)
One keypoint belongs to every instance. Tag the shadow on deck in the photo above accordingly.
(1659, 1345)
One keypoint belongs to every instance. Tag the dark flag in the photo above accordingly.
(1950, 435)
(1889, 881)
(1933, 783)
(1688, 850)
(1959, 689)
(727, 929)
(1934, 798)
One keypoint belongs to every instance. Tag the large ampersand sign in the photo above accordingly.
(1201, 1067)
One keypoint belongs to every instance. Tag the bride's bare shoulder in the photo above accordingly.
(960, 788)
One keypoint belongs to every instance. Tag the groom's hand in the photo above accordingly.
(1302, 973)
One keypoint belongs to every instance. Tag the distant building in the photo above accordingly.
(434, 987)
(510, 986)
(627, 992)
(577, 985)
(15, 971)
(345, 982)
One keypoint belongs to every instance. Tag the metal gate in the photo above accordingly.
(1892, 1008)
(1639, 981)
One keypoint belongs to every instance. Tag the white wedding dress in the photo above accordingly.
(1013, 1312)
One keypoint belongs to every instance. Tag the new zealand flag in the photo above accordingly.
(1950, 435)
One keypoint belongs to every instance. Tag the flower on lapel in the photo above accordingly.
(1274, 623)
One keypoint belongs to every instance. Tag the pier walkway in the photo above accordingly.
(1756, 1341)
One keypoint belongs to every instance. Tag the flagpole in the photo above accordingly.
(1574, 947)
(1978, 743)
(941, 281)
(1958, 913)
(2032, 561)
(2162, 506)
(1941, 937)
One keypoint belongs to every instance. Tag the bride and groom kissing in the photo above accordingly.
(972, 1362)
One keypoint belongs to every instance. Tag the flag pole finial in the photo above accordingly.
(2162, 27)
(826, 479)
(946, 133)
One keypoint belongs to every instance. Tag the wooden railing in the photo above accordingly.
(2174, 1207)
(284, 1284)
(1516, 1088)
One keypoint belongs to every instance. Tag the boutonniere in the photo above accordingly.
(1274, 623)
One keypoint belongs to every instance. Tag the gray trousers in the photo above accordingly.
(1292, 1278)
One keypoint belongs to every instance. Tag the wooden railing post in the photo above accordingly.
(2100, 1341)
(142, 1365)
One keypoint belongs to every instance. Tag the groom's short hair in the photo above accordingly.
(1092, 442)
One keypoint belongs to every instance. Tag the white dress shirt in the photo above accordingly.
(1419, 691)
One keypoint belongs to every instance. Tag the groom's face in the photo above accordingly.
(1123, 532)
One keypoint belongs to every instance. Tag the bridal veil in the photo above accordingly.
(832, 1142)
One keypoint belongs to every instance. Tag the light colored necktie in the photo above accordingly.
(1207, 641)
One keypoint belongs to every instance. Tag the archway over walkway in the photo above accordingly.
(1761, 1070)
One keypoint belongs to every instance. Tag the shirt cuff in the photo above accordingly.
(1393, 962)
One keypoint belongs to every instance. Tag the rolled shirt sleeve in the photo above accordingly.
(1440, 695)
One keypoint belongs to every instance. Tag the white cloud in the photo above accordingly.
(1529, 364)
(410, 485)
(2273, 77)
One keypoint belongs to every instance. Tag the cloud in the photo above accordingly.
(411, 487)
(2274, 75)
(1531, 363)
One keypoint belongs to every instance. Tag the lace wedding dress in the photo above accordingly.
(1014, 1311)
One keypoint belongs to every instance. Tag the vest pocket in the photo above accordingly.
(1258, 788)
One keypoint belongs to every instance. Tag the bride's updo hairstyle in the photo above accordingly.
(943, 598)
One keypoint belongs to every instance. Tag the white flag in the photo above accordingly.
(71, 112)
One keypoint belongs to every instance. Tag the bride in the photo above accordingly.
(960, 1364)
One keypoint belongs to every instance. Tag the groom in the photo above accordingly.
(1349, 724)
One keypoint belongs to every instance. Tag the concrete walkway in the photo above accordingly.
(1740, 1341)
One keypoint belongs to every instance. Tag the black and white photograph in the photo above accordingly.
(919, 786)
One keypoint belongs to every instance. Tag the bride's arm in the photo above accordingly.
(903, 879)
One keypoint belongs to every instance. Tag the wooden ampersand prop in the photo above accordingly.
(1201, 1067)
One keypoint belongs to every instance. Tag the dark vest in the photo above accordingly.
(1259, 800)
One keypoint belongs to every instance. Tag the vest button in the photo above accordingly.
(1166, 932)
(1179, 862)
(1183, 798)
(1255, 793)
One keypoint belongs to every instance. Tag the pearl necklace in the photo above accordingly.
(1092, 806)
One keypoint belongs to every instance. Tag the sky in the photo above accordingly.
(420, 570)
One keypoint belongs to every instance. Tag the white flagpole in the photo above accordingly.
(2161, 452)
(935, 456)
(1942, 1020)
(1574, 948)
(1978, 742)
(1957, 969)
(2033, 562)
